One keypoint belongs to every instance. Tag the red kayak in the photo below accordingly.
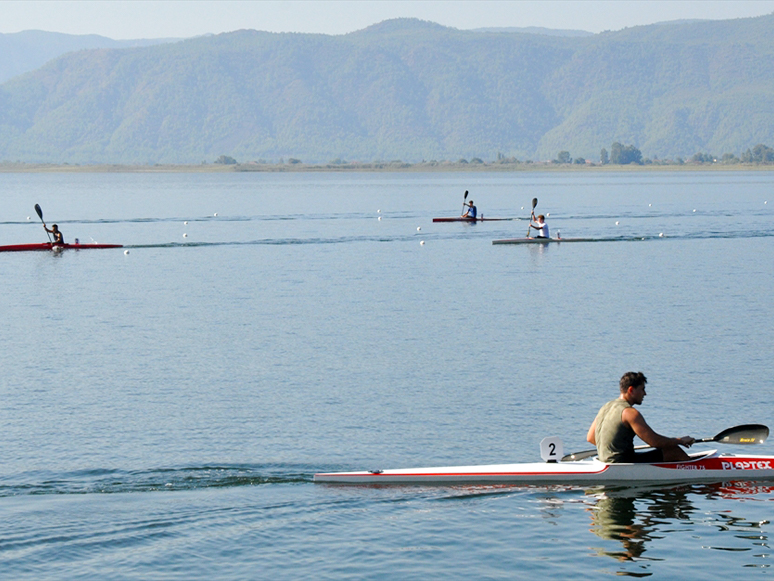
(461, 219)
(57, 247)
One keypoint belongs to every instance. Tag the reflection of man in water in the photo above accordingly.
(615, 519)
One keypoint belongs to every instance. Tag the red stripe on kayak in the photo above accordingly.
(420, 474)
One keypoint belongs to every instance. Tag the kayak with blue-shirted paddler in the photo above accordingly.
(481, 219)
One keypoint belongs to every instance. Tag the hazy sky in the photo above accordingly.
(123, 19)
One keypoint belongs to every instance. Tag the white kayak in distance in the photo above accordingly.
(708, 466)
(541, 240)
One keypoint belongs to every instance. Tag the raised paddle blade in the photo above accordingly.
(534, 203)
(745, 434)
(40, 214)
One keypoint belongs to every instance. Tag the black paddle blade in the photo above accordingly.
(534, 203)
(466, 195)
(746, 434)
(39, 211)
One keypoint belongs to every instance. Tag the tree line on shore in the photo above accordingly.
(619, 154)
(629, 154)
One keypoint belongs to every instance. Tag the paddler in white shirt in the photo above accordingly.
(540, 225)
(616, 424)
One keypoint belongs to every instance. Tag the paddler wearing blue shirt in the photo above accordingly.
(616, 424)
(471, 211)
(540, 225)
(58, 238)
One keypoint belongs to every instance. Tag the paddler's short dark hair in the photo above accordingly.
(632, 379)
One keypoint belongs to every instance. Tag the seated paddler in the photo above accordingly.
(58, 237)
(471, 212)
(617, 422)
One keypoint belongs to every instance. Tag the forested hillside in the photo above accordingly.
(403, 89)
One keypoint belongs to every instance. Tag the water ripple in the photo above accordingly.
(105, 481)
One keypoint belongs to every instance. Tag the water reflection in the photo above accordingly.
(635, 517)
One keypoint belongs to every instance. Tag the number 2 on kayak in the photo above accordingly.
(551, 449)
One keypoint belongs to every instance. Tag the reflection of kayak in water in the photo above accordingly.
(54, 247)
(710, 466)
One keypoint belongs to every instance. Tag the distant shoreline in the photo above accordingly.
(391, 167)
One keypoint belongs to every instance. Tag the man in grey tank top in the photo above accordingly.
(616, 424)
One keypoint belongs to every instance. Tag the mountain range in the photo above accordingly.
(31, 49)
(402, 89)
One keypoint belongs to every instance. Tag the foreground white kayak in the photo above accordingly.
(710, 466)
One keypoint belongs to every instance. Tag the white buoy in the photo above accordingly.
(378, 211)
(379, 218)
(616, 223)
(126, 252)
(185, 235)
(548, 214)
(766, 202)
(28, 218)
(694, 209)
(522, 207)
(186, 222)
(419, 228)
(215, 214)
(661, 235)
(650, 205)
(422, 243)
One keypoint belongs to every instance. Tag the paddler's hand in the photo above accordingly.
(686, 441)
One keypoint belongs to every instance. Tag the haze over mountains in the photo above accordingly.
(31, 49)
(402, 89)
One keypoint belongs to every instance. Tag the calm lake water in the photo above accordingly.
(163, 411)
